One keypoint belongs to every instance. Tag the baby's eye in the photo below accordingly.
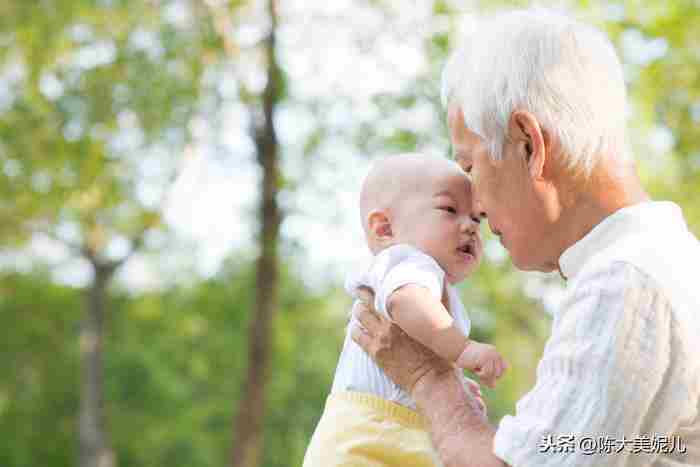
(449, 209)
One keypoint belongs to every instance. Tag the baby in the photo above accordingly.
(419, 224)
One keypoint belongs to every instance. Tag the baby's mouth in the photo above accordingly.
(467, 249)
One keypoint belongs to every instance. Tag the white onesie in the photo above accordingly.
(392, 268)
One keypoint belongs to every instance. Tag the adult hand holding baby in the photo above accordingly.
(404, 360)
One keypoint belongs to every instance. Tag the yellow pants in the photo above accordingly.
(362, 430)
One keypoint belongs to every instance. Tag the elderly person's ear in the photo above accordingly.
(525, 132)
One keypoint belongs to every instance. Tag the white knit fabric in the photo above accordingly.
(623, 359)
(390, 269)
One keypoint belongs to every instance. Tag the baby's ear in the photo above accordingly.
(379, 225)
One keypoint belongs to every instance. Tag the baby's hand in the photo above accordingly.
(484, 361)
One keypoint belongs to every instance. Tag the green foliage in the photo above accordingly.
(174, 364)
(39, 371)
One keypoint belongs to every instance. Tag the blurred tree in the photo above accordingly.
(100, 96)
(247, 447)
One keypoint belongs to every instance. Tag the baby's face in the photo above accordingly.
(438, 218)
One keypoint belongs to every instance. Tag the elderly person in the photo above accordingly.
(536, 111)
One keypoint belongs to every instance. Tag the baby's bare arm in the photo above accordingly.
(425, 318)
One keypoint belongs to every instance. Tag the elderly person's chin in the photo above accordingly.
(528, 256)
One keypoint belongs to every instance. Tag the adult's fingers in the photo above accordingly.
(473, 386)
(366, 295)
(482, 404)
(369, 319)
(360, 336)
(475, 390)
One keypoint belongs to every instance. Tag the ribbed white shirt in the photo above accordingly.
(622, 365)
(390, 269)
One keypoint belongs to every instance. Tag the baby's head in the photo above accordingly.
(425, 202)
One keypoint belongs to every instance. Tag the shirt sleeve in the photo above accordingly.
(605, 371)
(409, 266)
(395, 267)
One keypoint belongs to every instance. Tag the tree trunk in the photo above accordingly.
(248, 426)
(94, 446)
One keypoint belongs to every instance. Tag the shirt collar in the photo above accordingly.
(623, 222)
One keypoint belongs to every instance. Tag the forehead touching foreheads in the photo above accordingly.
(400, 178)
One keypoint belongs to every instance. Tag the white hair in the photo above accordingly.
(564, 72)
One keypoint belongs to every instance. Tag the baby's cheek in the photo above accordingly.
(426, 232)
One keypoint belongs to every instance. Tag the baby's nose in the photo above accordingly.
(470, 223)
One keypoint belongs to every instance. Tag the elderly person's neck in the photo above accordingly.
(612, 185)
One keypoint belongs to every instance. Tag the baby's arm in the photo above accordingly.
(425, 319)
